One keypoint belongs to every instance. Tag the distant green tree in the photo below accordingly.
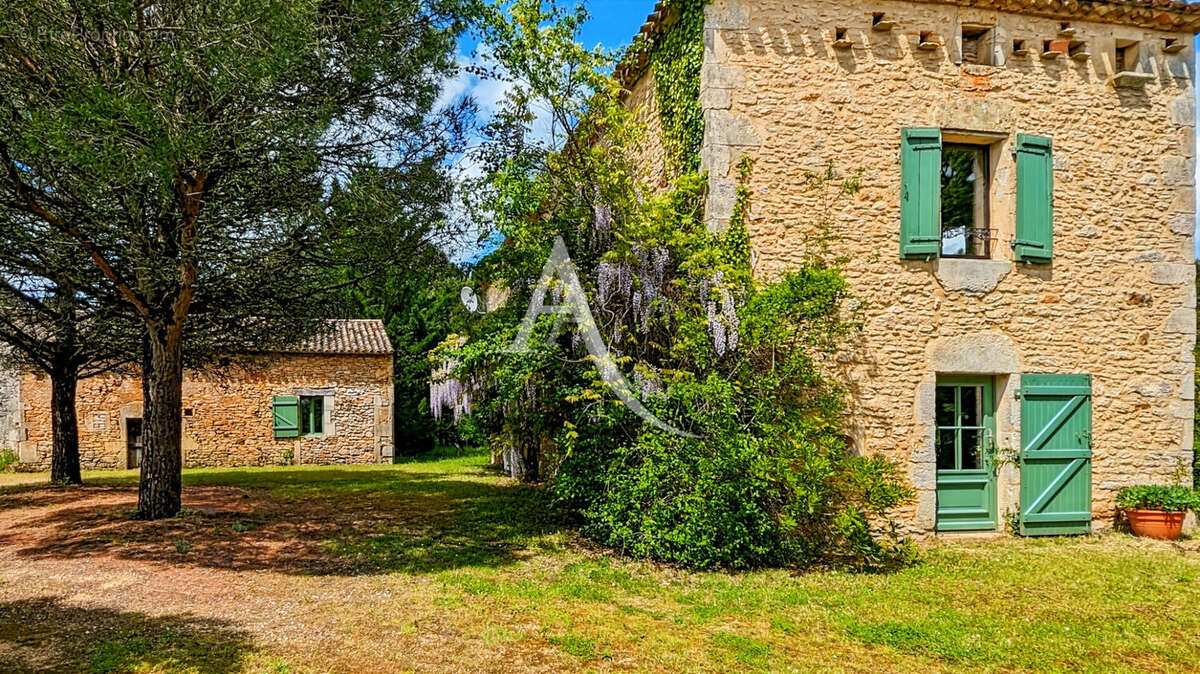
(420, 306)
(49, 326)
(958, 191)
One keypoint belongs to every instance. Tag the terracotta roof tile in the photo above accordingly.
(349, 337)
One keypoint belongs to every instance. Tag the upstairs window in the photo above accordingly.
(977, 44)
(945, 187)
(1126, 60)
(964, 203)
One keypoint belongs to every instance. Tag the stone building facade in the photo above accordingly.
(329, 401)
(1053, 338)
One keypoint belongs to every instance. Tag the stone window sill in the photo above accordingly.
(969, 275)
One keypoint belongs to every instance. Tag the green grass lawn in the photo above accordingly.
(450, 540)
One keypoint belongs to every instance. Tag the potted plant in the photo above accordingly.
(1157, 511)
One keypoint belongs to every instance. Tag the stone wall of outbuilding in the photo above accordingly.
(10, 404)
(227, 413)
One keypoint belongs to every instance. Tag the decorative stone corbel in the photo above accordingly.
(1131, 80)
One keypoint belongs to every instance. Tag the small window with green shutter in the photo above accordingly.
(920, 192)
(286, 414)
(1035, 199)
(944, 209)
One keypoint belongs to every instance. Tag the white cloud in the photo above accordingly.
(489, 94)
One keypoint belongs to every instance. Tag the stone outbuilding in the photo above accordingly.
(328, 401)
(1023, 238)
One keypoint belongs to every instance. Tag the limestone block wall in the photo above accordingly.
(227, 413)
(10, 404)
(651, 159)
(1117, 302)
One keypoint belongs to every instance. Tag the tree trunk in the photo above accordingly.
(161, 486)
(64, 461)
(532, 451)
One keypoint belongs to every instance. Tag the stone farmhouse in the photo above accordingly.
(1023, 237)
(328, 401)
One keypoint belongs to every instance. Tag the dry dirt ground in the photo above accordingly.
(442, 566)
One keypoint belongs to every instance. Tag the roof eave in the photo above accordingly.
(1164, 15)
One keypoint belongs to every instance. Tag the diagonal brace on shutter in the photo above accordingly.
(1055, 485)
(1054, 424)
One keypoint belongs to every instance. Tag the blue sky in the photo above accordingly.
(615, 22)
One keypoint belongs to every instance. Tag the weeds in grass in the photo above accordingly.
(501, 634)
(784, 624)
(746, 650)
(573, 644)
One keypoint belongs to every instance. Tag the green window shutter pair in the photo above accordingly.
(286, 413)
(921, 195)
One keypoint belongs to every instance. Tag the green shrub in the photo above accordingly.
(1174, 498)
(744, 366)
(741, 497)
(8, 460)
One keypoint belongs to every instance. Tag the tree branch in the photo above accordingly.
(26, 193)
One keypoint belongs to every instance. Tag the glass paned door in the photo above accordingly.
(966, 428)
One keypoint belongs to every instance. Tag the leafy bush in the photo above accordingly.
(742, 365)
(8, 460)
(1174, 498)
(741, 497)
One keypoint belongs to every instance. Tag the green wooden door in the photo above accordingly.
(966, 427)
(1056, 454)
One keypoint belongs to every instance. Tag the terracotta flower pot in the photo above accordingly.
(1161, 524)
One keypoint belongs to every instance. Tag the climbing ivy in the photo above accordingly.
(737, 238)
(676, 57)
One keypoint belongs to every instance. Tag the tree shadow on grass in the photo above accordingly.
(327, 521)
(46, 635)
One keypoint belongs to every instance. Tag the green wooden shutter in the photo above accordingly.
(920, 192)
(287, 416)
(1035, 199)
(1056, 454)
